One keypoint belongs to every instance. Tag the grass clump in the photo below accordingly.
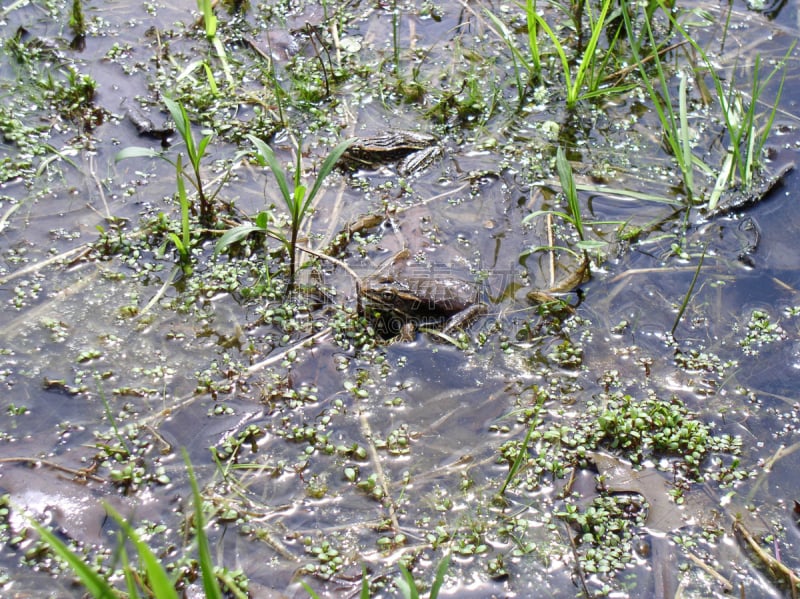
(584, 73)
(746, 130)
(205, 208)
(196, 151)
(588, 70)
(297, 199)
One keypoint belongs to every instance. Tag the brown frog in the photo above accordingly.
(413, 151)
(403, 302)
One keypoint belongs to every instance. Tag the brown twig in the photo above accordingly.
(619, 75)
(727, 586)
(366, 431)
(80, 474)
(576, 556)
(774, 565)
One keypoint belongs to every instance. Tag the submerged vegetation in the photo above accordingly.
(294, 403)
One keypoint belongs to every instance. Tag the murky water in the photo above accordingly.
(322, 442)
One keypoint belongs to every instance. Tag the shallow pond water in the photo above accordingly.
(322, 449)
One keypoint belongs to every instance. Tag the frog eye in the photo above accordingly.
(387, 295)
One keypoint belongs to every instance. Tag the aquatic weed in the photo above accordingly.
(604, 531)
(638, 428)
(761, 331)
(634, 429)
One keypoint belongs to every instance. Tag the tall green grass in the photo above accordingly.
(675, 125)
(582, 82)
(747, 130)
(588, 71)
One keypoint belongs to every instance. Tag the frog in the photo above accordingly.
(402, 302)
(144, 124)
(412, 150)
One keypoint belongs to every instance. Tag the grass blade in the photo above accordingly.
(688, 295)
(768, 125)
(567, 179)
(161, 586)
(130, 580)
(267, 156)
(184, 127)
(438, 580)
(533, 36)
(326, 168)
(210, 586)
(516, 55)
(364, 583)
(184, 202)
(627, 193)
(523, 450)
(235, 235)
(137, 152)
(532, 215)
(721, 183)
(94, 583)
(685, 136)
(406, 584)
(559, 50)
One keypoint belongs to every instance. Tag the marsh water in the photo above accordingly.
(326, 453)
